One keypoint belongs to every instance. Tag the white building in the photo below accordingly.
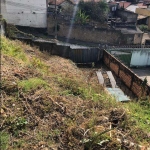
(30, 13)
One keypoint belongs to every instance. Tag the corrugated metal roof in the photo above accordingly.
(118, 94)
(132, 8)
(141, 17)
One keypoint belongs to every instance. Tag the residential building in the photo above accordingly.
(144, 13)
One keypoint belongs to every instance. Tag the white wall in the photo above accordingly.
(140, 58)
(31, 13)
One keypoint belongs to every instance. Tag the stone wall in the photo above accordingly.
(86, 33)
(132, 81)
(138, 38)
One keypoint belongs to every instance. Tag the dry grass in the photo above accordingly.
(62, 110)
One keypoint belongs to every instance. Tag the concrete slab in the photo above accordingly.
(112, 79)
(100, 77)
(143, 73)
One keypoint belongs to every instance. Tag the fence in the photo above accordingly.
(127, 46)
(77, 54)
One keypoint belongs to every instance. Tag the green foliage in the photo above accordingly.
(18, 144)
(17, 125)
(140, 113)
(13, 32)
(96, 11)
(54, 133)
(10, 30)
(21, 123)
(81, 17)
(74, 87)
(143, 27)
(92, 122)
(32, 84)
(37, 63)
(71, 86)
(4, 140)
(10, 48)
(96, 139)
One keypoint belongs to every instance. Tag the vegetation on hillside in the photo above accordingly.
(48, 103)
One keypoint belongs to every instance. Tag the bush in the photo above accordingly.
(143, 27)
(96, 11)
(81, 17)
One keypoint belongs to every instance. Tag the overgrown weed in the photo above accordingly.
(10, 48)
(33, 84)
(4, 140)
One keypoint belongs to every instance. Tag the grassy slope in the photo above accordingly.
(47, 103)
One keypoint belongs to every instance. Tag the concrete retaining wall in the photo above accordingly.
(31, 13)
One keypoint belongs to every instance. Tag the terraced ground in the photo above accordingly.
(48, 103)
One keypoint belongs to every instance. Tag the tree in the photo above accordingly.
(81, 17)
(96, 11)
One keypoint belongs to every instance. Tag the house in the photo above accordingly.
(144, 14)
(127, 16)
(126, 23)
(146, 2)
(29, 13)
(131, 35)
(133, 8)
(66, 7)
(114, 6)
(144, 19)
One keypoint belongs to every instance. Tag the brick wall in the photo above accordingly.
(132, 81)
